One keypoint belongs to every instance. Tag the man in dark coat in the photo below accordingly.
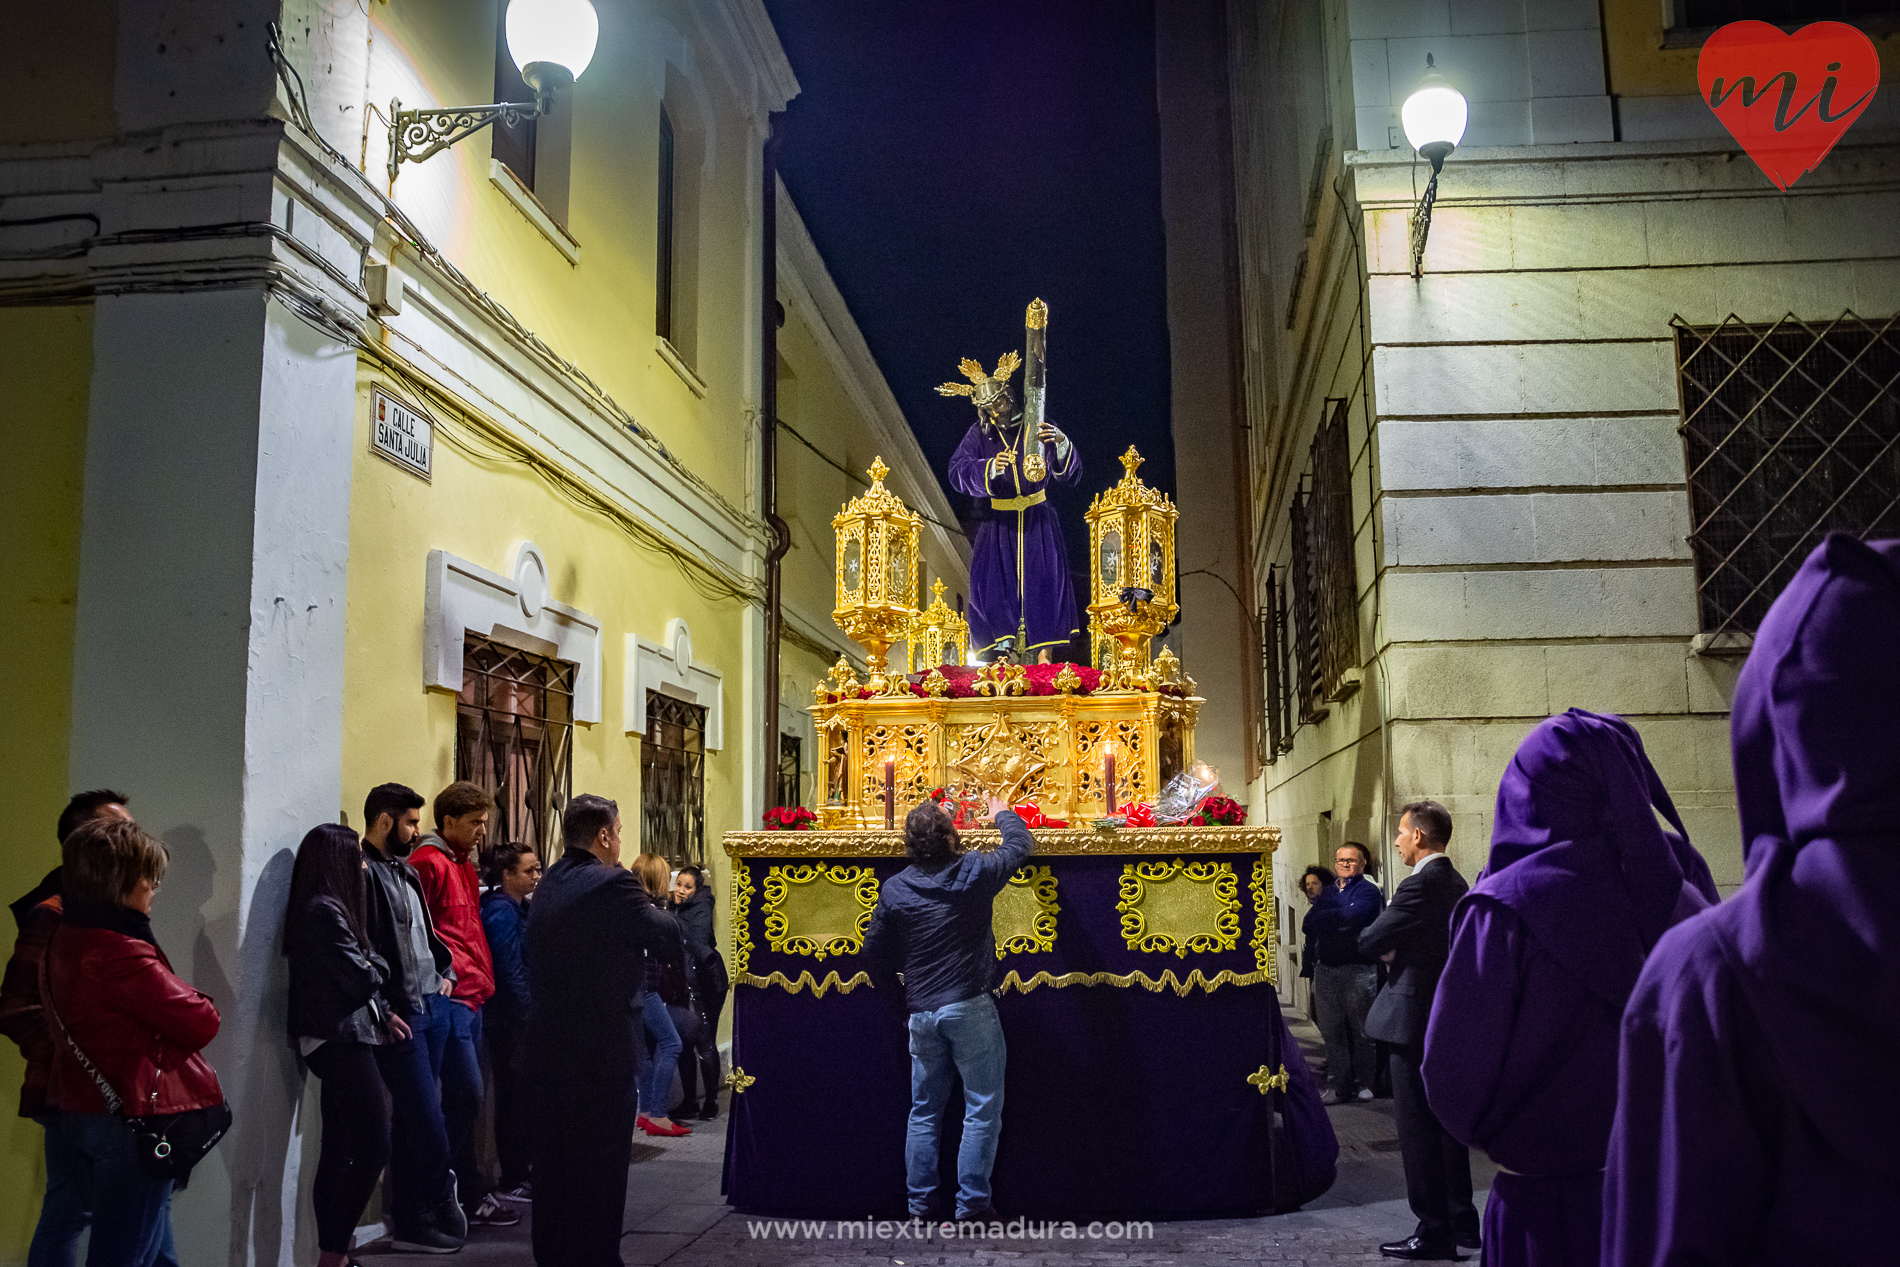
(1414, 936)
(1756, 1106)
(589, 927)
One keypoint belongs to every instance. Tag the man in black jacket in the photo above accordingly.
(589, 927)
(423, 1208)
(933, 923)
(1414, 937)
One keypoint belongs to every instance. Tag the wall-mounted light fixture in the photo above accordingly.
(552, 41)
(1434, 118)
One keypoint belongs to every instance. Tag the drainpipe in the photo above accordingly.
(768, 457)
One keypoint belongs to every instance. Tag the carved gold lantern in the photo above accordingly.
(1131, 570)
(938, 635)
(877, 572)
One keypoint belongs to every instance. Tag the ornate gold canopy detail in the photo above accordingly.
(1001, 762)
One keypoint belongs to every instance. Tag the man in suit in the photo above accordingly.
(588, 929)
(1414, 937)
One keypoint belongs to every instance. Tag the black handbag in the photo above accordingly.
(165, 1145)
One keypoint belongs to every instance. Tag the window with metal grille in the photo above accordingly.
(514, 735)
(1790, 431)
(673, 780)
(1323, 607)
(791, 771)
(1276, 662)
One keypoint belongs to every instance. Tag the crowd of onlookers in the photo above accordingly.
(412, 955)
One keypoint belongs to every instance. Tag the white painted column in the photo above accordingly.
(208, 678)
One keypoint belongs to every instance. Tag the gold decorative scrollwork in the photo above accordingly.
(1263, 915)
(908, 746)
(1131, 752)
(1023, 918)
(805, 981)
(741, 910)
(1050, 841)
(739, 1080)
(1000, 758)
(1182, 986)
(1267, 1080)
(1180, 906)
(818, 910)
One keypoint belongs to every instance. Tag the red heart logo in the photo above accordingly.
(1788, 98)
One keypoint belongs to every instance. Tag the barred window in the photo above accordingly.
(1790, 431)
(1274, 664)
(1324, 606)
(673, 780)
(514, 735)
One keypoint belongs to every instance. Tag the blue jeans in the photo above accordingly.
(967, 1037)
(419, 1144)
(131, 1221)
(656, 1080)
(455, 1057)
(67, 1209)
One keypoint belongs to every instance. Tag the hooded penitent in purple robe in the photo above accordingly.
(1758, 1116)
(1021, 530)
(1520, 1055)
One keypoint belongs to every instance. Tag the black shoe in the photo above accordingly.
(450, 1218)
(987, 1214)
(710, 1111)
(1414, 1248)
(1469, 1240)
(425, 1239)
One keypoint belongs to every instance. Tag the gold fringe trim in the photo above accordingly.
(804, 980)
(1166, 981)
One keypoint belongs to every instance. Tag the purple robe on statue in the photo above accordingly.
(1022, 527)
(1520, 1055)
(1758, 1115)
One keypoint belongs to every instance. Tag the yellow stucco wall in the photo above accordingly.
(396, 729)
(598, 313)
(1640, 67)
(46, 364)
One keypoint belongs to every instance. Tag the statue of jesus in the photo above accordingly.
(1020, 588)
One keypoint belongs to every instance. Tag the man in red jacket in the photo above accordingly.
(445, 863)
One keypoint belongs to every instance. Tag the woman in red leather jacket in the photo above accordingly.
(141, 1026)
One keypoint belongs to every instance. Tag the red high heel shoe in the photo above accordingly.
(646, 1124)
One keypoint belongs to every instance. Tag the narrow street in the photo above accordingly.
(675, 1215)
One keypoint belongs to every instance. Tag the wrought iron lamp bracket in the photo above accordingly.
(418, 134)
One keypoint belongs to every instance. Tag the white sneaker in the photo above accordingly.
(1365, 1093)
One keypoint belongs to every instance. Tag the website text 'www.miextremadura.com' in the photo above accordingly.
(922, 1230)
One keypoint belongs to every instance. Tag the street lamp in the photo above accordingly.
(1434, 118)
(551, 41)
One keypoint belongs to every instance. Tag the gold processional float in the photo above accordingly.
(1102, 739)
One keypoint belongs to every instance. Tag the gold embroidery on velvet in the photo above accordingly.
(1180, 906)
(805, 981)
(1267, 1080)
(1023, 919)
(739, 1080)
(818, 910)
(1264, 922)
(741, 911)
(1013, 980)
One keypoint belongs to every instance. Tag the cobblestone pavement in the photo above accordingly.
(676, 1216)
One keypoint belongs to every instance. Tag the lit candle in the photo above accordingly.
(1108, 776)
(890, 793)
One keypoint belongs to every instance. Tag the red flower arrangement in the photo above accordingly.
(795, 818)
(1219, 811)
(1039, 679)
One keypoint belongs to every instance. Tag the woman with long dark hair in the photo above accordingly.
(336, 1018)
(699, 1061)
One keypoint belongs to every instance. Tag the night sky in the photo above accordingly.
(955, 161)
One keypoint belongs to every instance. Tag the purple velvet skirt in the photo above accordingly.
(1532, 1221)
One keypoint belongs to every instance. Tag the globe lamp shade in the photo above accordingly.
(552, 40)
(1434, 119)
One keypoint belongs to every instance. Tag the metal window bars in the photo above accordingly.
(673, 779)
(1789, 431)
(514, 736)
